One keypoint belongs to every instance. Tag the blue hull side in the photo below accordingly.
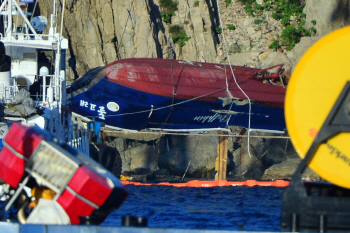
(136, 110)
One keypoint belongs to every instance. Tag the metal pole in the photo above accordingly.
(44, 88)
(9, 20)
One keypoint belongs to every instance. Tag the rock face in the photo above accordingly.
(102, 31)
(300, 49)
(196, 154)
(286, 170)
(270, 157)
(329, 15)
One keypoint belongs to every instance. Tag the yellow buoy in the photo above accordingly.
(315, 85)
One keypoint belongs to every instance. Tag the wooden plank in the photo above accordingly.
(221, 161)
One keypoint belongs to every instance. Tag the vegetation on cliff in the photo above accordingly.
(179, 35)
(170, 7)
(289, 13)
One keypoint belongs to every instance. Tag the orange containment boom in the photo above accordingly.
(216, 183)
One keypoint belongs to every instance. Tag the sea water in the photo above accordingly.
(219, 208)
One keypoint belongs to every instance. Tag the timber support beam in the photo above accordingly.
(221, 160)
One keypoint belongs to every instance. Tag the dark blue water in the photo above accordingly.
(220, 208)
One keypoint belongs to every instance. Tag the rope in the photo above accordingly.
(34, 8)
(285, 150)
(63, 6)
(240, 158)
(186, 170)
(126, 23)
(174, 93)
(234, 77)
(196, 134)
(171, 105)
(227, 86)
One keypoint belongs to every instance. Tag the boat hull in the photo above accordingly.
(127, 108)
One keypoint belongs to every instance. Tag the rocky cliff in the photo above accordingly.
(101, 31)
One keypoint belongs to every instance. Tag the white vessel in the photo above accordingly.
(54, 183)
(33, 85)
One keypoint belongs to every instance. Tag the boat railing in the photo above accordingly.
(7, 93)
(48, 88)
(30, 37)
(81, 141)
(48, 93)
(23, 32)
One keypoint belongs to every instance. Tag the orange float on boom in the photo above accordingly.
(216, 183)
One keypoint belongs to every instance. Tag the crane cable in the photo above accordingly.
(234, 77)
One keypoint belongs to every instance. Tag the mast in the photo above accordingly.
(9, 19)
(53, 20)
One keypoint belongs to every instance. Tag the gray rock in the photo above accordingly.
(118, 143)
(275, 58)
(196, 153)
(299, 49)
(143, 156)
(256, 35)
(246, 22)
(276, 151)
(247, 165)
(250, 31)
(286, 169)
(244, 43)
(242, 59)
(329, 15)
(162, 172)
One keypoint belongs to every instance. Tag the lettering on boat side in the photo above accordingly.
(84, 103)
(92, 107)
(101, 113)
(101, 109)
(210, 119)
(338, 153)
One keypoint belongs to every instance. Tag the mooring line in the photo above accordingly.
(195, 134)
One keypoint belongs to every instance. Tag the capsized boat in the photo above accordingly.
(175, 95)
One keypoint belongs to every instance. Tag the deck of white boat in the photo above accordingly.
(18, 228)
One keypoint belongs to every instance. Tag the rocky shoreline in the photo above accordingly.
(152, 157)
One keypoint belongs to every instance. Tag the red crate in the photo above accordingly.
(12, 167)
(23, 139)
(74, 206)
(90, 185)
